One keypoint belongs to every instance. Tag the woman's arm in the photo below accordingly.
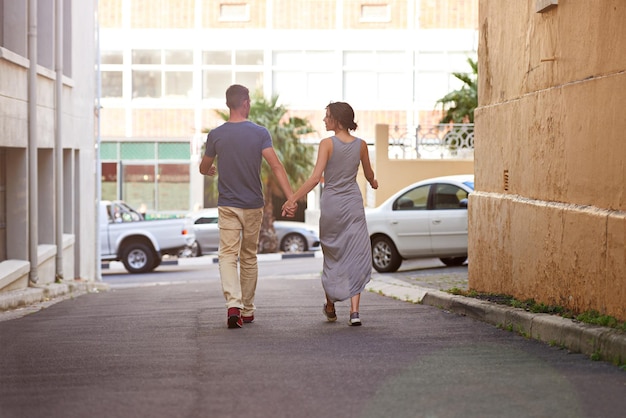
(323, 154)
(367, 166)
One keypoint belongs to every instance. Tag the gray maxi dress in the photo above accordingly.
(343, 231)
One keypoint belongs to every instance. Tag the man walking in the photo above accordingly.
(239, 146)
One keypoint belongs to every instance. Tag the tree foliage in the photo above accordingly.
(459, 105)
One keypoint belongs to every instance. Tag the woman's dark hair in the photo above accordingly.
(343, 113)
(236, 95)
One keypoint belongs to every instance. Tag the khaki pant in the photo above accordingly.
(239, 239)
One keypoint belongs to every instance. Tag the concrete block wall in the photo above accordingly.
(547, 219)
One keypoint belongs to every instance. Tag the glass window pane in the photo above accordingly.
(289, 86)
(249, 57)
(111, 57)
(318, 59)
(358, 59)
(109, 181)
(111, 83)
(137, 151)
(375, 13)
(430, 87)
(138, 186)
(322, 86)
(146, 84)
(358, 86)
(253, 81)
(173, 187)
(178, 83)
(108, 151)
(174, 151)
(234, 12)
(415, 199)
(215, 83)
(146, 56)
(179, 57)
(432, 61)
(392, 86)
(216, 57)
(287, 58)
(448, 196)
(391, 59)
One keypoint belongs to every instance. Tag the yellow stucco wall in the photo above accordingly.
(548, 219)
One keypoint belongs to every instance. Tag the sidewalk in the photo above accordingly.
(595, 341)
(602, 343)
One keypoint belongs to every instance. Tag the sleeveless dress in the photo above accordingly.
(343, 231)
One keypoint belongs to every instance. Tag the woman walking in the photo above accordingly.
(343, 230)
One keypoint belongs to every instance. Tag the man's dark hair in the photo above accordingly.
(236, 95)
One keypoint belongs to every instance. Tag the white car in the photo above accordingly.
(293, 237)
(424, 220)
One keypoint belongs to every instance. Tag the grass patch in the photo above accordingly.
(530, 305)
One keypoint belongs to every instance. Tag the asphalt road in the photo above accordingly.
(163, 350)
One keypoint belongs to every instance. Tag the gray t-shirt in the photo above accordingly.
(238, 148)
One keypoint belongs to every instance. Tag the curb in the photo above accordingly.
(32, 296)
(598, 342)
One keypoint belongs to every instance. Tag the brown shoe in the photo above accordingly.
(330, 316)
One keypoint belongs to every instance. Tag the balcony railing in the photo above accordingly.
(449, 141)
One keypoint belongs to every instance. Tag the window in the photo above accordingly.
(146, 84)
(111, 83)
(162, 73)
(374, 77)
(300, 77)
(375, 13)
(111, 57)
(221, 68)
(234, 12)
(414, 199)
(448, 196)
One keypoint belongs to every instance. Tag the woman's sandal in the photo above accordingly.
(355, 320)
(330, 316)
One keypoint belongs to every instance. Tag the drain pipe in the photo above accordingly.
(58, 140)
(33, 229)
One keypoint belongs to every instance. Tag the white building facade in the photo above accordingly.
(166, 66)
(47, 144)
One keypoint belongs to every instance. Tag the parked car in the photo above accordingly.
(426, 219)
(293, 237)
(140, 244)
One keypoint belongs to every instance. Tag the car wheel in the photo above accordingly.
(293, 243)
(192, 250)
(453, 261)
(138, 257)
(196, 251)
(385, 257)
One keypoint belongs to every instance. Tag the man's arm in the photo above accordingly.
(206, 166)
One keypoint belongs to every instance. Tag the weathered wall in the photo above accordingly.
(548, 219)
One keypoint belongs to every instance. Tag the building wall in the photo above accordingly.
(66, 188)
(548, 219)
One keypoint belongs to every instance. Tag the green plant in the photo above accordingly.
(459, 105)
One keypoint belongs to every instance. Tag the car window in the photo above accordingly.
(205, 220)
(448, 196)
(414, 199)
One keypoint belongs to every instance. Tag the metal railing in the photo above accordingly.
(449, 141)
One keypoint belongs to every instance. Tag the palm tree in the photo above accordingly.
(459, 105)
(295, 156)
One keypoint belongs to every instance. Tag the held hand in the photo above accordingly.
(289, 209)
(212, 171)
